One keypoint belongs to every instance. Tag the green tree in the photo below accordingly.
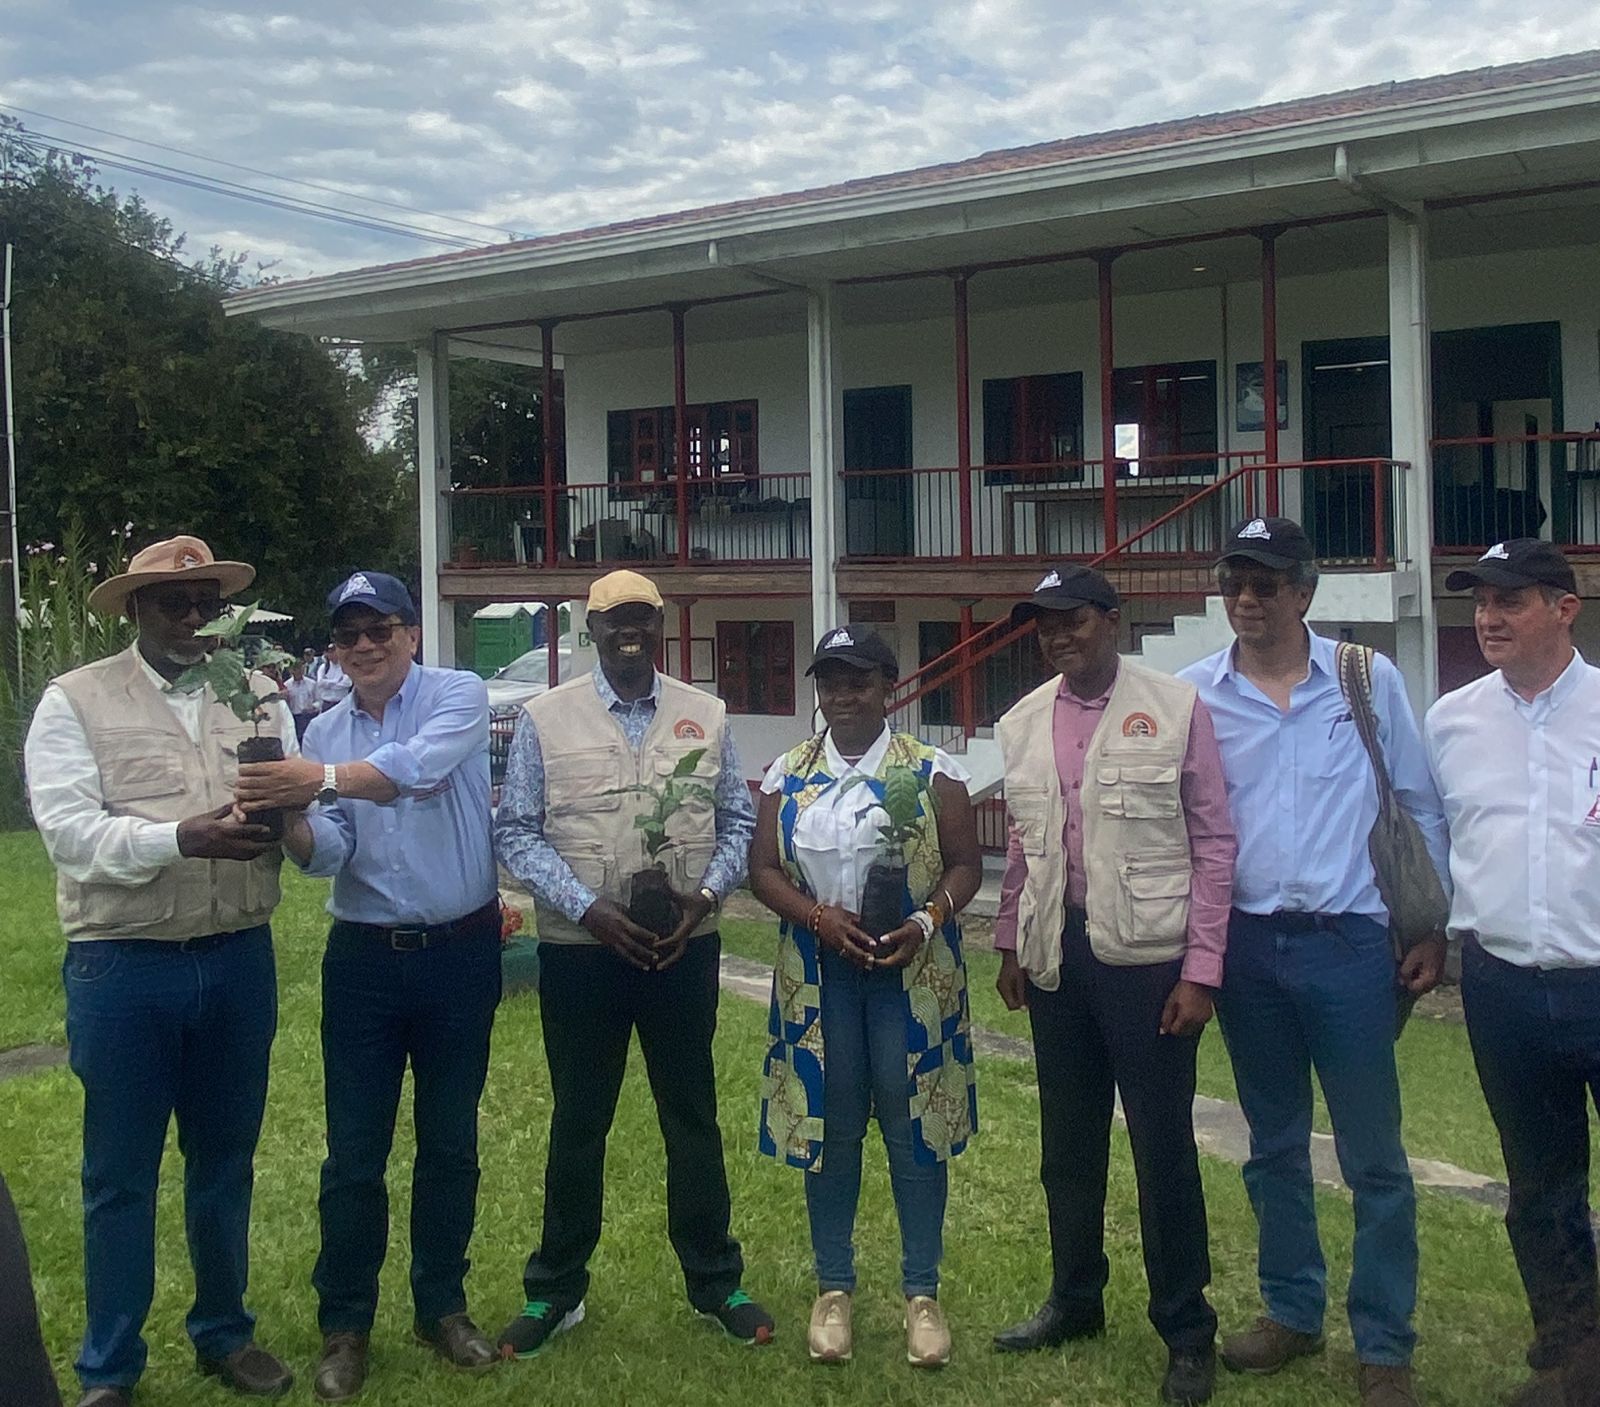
(138, 402)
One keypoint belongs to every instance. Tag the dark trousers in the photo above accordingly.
(380, 1008)
(1536, 1041)
(25, 1376)
(591, 1003)
(154, 1030)
(302, 721)
(1097, 1033)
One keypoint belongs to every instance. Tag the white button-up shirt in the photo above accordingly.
(86, 842)
(1521, 788)
(836, 837)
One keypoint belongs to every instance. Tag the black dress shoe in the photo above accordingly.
(107, 1397)
(1052, 1326)
(250, 1370)
(342, 1369)
(458, 1339)
(1190, 1377)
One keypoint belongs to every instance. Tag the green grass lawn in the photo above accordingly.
(640, 1343)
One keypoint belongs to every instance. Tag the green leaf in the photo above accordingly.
(688, 762)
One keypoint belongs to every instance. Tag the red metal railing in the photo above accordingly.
(1353, 508)
(747, 521)
(1487, 488)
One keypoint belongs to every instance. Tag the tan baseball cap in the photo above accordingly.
(176, 559)
(620, 588)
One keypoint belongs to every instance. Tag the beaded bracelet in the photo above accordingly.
(816, 917)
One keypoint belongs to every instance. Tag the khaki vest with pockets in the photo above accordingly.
(1135, 835)
(151, 768)
(590, 820)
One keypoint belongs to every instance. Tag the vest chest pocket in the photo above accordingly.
(1025, 807)
(1154, 895)
(581, 780)
(129, 777)
(1138, 791)
(591, 862)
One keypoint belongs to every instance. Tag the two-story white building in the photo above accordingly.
(893, 399)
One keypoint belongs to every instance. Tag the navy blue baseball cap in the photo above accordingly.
(378, 591)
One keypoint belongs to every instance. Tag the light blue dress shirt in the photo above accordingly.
(519, 825)
(1301, 787)
(425, 857)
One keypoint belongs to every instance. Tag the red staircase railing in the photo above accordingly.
(1167, 572)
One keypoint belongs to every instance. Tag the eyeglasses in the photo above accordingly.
(177, 604)
(347, 637)
(1263, 588)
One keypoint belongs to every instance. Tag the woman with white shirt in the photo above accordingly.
(863, 1021)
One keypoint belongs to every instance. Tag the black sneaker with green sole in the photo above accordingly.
(540, 1321)
(742, 1319)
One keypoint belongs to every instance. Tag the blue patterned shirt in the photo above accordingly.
(519, 823)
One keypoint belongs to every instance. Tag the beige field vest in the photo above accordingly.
(151, 768)
(1135, 837)
(590, 820)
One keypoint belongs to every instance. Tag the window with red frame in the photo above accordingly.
(755, 666)
(1033, 420)
(642, 445)
(1162, 410)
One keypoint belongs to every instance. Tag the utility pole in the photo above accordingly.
(11, 586)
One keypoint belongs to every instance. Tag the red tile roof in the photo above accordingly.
(1375, 97)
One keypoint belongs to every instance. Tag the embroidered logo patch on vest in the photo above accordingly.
(688, 728)
(1139, 725)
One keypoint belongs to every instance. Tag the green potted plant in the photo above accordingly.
(883, 896)
(651, 902)
(227, 671)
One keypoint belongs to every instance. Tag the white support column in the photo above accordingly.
(825, 394)
(1411, 422)
(433, 478)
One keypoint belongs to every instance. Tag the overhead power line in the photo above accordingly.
(258, 171)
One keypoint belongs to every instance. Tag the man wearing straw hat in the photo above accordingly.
(171, 988)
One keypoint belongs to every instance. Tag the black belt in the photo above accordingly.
(411, 940)
(1297, 921)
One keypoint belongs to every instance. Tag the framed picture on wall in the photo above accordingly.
(1250, 400)
(702, 659)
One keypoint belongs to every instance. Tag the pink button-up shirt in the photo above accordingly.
(1212, 847)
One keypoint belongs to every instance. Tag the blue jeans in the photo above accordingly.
(158, 1029)
(1296, 996)
(864, 1068)
(380, 1008)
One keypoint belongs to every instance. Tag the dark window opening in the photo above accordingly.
(1163, 410)
(755, 666)
(1034, 420)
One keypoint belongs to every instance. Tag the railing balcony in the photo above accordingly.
(1492, 487)
(743, 522)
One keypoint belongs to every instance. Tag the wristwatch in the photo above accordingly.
(710, 896)
(330, 785)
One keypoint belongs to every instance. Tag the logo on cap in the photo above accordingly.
(189, 558)
(358, 585)
(1497, 552)
(1051, 578)
(839, 637)
(688, 728)
(1139, 725)
(1256, 528)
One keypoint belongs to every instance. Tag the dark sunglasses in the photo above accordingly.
(177, 604)
(1263, 588)
(347, 637)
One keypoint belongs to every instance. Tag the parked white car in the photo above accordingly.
(526, 677)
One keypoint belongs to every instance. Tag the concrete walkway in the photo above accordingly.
(1219, 1125)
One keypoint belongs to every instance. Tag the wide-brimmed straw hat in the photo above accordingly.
(176, 559)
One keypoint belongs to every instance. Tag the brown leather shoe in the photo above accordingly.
(249, 1370)
(343, 1367)
(107, 1397)
(1267, 1347)
(1385, 1386)
(458, 1339)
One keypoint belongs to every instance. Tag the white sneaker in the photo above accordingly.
(829, 1340)
(927, 1335)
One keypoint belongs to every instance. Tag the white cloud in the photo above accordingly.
(575, 112)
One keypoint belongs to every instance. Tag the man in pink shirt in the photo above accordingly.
(1112, 926)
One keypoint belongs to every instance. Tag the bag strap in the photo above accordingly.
(1354, 664)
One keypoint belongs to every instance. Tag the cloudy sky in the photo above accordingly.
(544, 115)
